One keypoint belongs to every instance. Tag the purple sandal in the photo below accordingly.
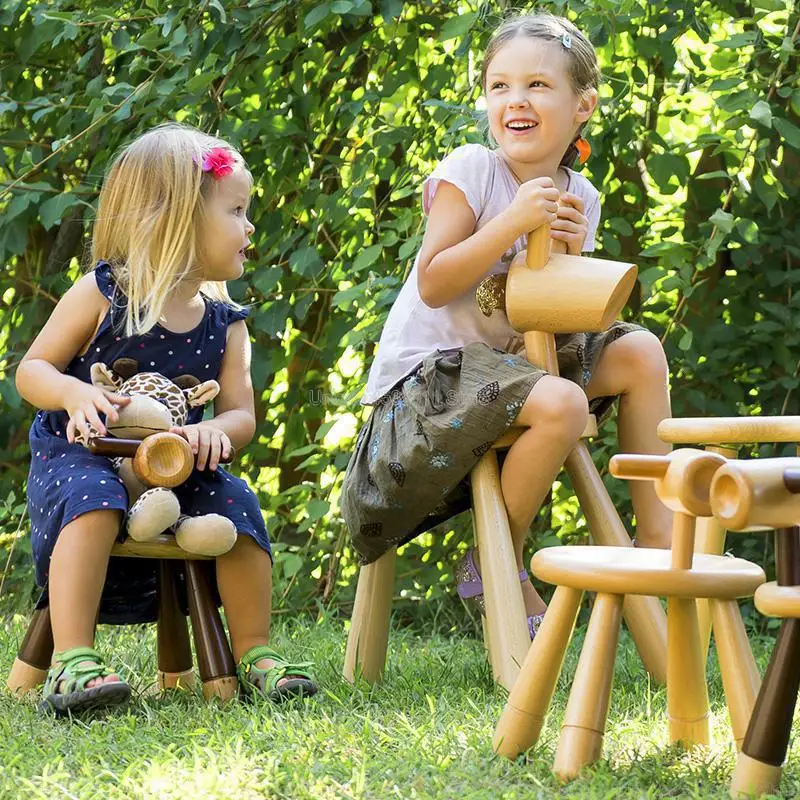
(470, 587)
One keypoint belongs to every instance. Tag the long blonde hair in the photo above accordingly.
(150, 216)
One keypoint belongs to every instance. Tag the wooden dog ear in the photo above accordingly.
(125, 367)
(186, 381)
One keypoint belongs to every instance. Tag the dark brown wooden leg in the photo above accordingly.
(33, 660)
(174, 650)
(214, 657)
(759, 766)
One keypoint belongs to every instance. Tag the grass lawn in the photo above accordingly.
(425, 733)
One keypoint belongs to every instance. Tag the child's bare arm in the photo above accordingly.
(453, 258)
(40, 376)
(234, 422)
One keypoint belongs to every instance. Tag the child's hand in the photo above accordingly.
(83, 405)
(535, 204)
(209, 442)
(571, 226)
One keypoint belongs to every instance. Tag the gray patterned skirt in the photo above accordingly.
(413, 456)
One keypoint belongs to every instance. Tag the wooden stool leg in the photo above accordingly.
(214, 658)
(369, 625)
(687, 690)
(709, 538)
(758, 768)
(643, 615)
(739, 672)
(523, 716)
(35, 652)
(760, 763)
(581, 740)
(174, 650)
(506, 620)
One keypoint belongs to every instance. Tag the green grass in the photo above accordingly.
(426, 732)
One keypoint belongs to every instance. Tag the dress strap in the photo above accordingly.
(104, 276)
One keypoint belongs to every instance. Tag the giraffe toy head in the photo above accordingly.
(157, 403)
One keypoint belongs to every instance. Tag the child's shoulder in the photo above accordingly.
(471, 155)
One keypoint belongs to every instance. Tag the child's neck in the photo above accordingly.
(525, 171)
(185, 306)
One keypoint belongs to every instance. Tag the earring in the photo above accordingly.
(584, 149)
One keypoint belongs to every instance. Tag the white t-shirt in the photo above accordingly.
(413, 330)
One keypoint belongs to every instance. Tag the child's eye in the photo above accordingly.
(497, 84)
(537, 83)
(239, 210)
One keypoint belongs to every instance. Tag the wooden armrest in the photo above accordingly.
(729, 430)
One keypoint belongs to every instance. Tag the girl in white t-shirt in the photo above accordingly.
(446, 382)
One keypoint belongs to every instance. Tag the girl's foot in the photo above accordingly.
(262, 670)
(79, 681)
(470, 587)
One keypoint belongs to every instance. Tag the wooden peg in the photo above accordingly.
(682, 478)
(753, 495)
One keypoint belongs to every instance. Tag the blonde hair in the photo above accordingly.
(150, 216)
(584, 71)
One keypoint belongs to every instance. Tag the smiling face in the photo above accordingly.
(534, 111)
(226, 229)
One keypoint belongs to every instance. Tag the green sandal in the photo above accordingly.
(265, 681)
(73, 696)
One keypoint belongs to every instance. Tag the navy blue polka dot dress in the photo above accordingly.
(66, 480)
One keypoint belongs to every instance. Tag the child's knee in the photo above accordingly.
(640, 353)
(557, 405)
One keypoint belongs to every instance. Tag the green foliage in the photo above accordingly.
(340, 109)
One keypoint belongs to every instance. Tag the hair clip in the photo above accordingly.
(219, 161)
(584, 149)
(566, 40)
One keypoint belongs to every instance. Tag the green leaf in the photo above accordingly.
(789, 131)
(686, 340)
(291, 563)
(267, 279)
(723, 220)
(457, 26)
(761, 112)
(317, 509)
(316, 15)
(52, 210)
(367, 257)
(306, 261)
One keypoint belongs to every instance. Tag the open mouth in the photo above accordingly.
(521, 125)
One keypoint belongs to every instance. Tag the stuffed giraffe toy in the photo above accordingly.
(157, 404)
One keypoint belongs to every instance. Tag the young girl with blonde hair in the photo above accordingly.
(447, 380)
(171, 229)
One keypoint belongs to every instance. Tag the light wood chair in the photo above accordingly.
(544, 294)
(726, 436)
(758, 495)
(163, 459)
(682, 481)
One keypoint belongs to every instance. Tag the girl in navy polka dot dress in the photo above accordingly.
(171, 229)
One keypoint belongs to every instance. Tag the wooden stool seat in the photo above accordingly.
(773, 600)
(634, 570)
(162, 547)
